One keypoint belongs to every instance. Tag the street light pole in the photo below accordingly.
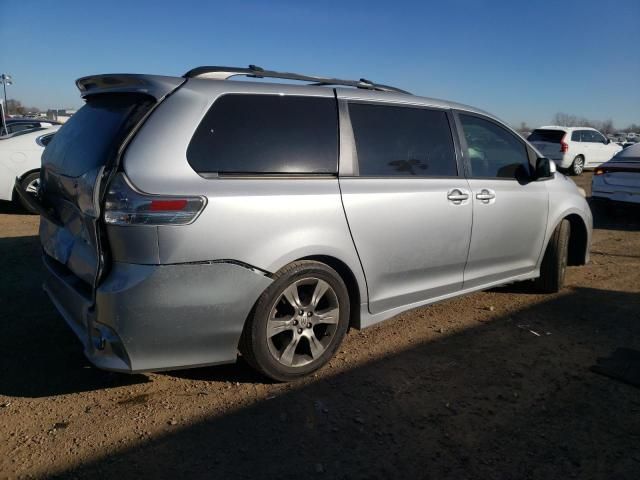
(6, 80)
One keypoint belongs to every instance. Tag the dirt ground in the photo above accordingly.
(492, 385)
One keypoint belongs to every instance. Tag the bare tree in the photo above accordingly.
(567, 120)
(14, 107)
(606, 127)
(564, 120)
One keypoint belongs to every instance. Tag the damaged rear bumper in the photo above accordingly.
(158, 317)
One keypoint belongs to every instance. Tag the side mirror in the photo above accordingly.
(545, 168)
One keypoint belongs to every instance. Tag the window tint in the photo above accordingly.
(267, 134)
(576, 136)
(402, 141)
(492, 150)
(598, 137)
(550, 136)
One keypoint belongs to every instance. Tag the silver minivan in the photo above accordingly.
(187, 219)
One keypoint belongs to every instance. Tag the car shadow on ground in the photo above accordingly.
(493, 401)
(38, 353)
(11, 208)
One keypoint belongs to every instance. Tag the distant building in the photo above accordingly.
(60, 114)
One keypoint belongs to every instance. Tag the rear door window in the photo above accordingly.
(549, 136)
(402, 141)
(267, 134)
(493, 151)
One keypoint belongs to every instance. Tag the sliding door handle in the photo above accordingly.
(457, 196)
(486, 195)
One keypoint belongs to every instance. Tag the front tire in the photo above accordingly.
(298, 322)
(29, 185)
(554, 262)
(577, 167)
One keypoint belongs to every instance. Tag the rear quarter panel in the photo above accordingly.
(264, 222)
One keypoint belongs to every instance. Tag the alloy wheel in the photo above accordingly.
(302, 322)
(578, 165)
(33, 186)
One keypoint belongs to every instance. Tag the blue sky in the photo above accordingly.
(521, 60)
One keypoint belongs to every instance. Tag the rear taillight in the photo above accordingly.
(564, 146)
(126, 206)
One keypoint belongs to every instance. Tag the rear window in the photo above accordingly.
(94, 134)
(549, 136)
(402, 141)
(277, 134)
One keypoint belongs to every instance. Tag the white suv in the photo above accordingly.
(573, 148)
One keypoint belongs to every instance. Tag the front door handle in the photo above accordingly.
(486, 195)
(457, 196)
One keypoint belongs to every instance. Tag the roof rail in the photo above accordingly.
(223, 73)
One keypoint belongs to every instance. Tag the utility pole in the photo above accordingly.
(6, 80)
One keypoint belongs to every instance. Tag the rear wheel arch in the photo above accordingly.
(28, 172)
(349, 278)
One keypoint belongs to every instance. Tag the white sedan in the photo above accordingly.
(618, 179)
(20, 158)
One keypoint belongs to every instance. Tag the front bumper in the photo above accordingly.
(158, 317)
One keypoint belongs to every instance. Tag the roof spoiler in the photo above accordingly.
(223, 73)
(157, 86)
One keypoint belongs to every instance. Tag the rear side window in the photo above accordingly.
(94, 134)
(576, 136)
(402, 141)
(493, 151)
(549, 136)
(279, 134)
(589, 136)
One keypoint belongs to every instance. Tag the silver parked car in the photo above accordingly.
(186, 219)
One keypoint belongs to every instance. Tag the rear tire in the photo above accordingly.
(29, 185)
(298, 322)
(577, 167)
(554, 262)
